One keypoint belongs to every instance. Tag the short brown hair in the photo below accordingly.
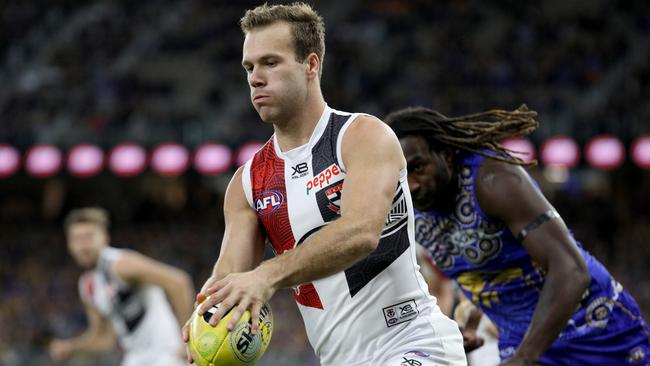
(307, 27)
(93, 215)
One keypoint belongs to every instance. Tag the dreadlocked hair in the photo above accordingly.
(473, 132)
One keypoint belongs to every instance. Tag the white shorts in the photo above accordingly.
(412, 358)
(418, 347)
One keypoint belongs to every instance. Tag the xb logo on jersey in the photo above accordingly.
(410, 362)
(299, 170)
(267, 202)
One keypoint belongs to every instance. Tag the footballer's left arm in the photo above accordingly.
(506, 192)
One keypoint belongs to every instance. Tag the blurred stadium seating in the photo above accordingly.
(149, 72)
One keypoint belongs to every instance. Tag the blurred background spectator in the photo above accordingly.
(106, 72)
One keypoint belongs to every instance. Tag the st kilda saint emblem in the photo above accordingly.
(334, 197)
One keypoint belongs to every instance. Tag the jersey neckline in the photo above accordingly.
(303, 151)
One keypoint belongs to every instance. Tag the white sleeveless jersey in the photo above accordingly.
(350, 315)
(141, 316)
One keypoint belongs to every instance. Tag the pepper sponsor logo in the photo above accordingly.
(324, 178)
(267, 202)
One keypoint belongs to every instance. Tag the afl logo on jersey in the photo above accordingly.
(267, 202)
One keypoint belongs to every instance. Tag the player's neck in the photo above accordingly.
(298, 130)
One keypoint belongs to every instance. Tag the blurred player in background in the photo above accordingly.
(474, 326)
(488, 227)
(345, 249)
(470, 318)
(125, 294)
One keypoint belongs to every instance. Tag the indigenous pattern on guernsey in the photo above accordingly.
(496, 273)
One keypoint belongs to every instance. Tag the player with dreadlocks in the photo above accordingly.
(487, 226)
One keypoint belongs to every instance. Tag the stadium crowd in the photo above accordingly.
(105, 71)
(112, 71)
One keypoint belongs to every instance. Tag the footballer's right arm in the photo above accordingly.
(97, 338)
(242, 247)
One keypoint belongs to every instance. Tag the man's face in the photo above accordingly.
(429, 172)
(278, 83)
(85, 241)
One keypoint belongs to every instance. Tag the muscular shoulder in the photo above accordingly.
(368, 135)
(366, 127)
(238, 174)
(126, 265)
(493, 176)
(236, 199)
(500, 187)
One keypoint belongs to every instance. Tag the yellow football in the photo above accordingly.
(216, 346)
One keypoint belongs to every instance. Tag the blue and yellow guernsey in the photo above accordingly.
(496, 273)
